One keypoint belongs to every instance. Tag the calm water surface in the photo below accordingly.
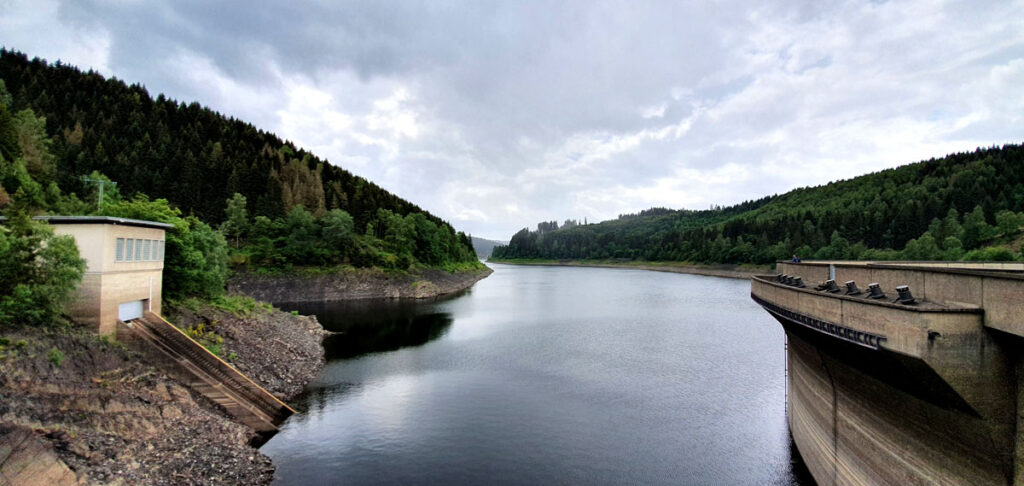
(549, 375)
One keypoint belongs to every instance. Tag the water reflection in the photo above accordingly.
(365, 327)
(548, 376)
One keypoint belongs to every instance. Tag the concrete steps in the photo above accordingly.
(207, 374)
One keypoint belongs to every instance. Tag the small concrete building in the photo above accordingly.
(124, 267)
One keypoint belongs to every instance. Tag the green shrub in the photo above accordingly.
(38, 271)
(196, 262)
(207, 337)
(56, 356)
(991, 254)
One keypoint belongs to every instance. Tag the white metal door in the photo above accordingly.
(129, 310)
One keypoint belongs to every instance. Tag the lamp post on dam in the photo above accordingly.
(914, 379)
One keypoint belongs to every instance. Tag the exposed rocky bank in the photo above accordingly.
(726, 271)
(354, 284)
(79, 409)
(280, 351)
(76, 408)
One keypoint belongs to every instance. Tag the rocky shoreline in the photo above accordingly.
(725, 271)
(354, 284)
(76, 408)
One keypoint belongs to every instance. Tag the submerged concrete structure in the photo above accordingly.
(921, 385)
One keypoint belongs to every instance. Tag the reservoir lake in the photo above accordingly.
(548, 375)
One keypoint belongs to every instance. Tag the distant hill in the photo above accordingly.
(484, 247)
(962, 206)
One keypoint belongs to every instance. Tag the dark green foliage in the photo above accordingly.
(391, 241)
(236, 222)
(990, 255)
(9, 148)
(38, 271)
(35, 146)
(187, 154)
(195, 263)
(910, 212)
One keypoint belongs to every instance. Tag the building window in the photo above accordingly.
(129, 250)
(119, 253)
(160, 257)
(146, 248)
(138, 249)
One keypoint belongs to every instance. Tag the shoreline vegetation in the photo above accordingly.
(724, 270)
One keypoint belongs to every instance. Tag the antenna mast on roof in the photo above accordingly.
(101, 183)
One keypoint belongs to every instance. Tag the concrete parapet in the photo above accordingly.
(997, 287)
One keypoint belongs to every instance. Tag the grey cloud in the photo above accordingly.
(522, 111)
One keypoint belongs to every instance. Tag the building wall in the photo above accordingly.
(107, 282)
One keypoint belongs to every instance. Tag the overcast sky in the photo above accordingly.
(497, 115)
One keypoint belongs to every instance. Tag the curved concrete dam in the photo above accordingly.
(903, 373)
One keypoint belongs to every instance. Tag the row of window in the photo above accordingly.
(136, 250)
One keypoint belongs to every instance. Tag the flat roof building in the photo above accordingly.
(124, 267)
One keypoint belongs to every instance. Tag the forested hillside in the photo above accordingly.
(963, 206)
(188, 154)
(291, 208)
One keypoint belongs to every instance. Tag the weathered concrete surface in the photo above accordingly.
(354, 284)
(936, 402)
(851, 428)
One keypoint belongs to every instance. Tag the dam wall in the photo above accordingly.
(854, 429)
(880, 392)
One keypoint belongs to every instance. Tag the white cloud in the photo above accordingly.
(497, 117)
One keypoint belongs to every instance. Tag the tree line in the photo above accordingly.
(963, 206)
(302, 238)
